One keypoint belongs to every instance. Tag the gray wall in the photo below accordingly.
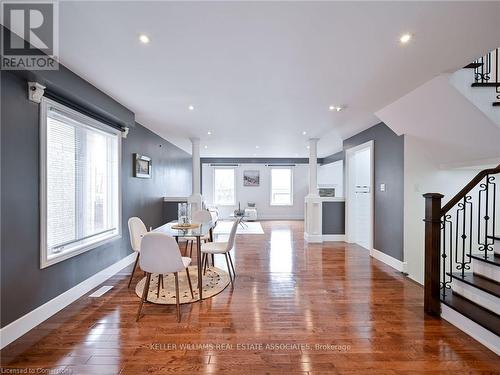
(333, 219)
(24, 286)
(332, 158)
(389, 169)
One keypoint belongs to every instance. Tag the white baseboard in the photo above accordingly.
(29, 321)
(477, 332)
(313, 238)
(333, 237)
(318, 238)
(390, 261)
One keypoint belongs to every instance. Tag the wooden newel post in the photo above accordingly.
(432, 220)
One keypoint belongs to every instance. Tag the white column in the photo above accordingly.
(313, 205)
(313, 167)
(196, 199)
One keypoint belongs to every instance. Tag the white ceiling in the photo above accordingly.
(261, 73)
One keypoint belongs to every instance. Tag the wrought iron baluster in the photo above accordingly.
(461, 237)
(497, 70)
(487, 244)
(483, 73)
(446, 253)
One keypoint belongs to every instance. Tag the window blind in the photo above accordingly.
(82, 177)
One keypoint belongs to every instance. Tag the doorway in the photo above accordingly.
(360, 195)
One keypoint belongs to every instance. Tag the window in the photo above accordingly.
(281, 186)
(80, 197)
(224, 192)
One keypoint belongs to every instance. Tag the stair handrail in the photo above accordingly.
(435, 218)
(471, 185)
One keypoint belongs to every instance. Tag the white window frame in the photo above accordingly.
(271, 188)
(45, 260)
(234, 184)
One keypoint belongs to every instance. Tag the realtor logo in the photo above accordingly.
(29, 37)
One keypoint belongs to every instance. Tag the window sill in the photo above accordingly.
(49, 261)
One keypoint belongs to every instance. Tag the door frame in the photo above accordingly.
(349, 193)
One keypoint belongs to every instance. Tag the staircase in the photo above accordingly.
(462, 258)
(486, 73)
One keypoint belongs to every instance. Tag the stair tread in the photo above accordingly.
(485, 84)
(473, 65)
(477, 281)
(474, 312)
(490, 258)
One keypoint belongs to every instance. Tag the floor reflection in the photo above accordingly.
(286, 291)
(280, 253)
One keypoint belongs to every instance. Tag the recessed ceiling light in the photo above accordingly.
(405, 38)
(307, 147)
(206, 147)
(209, 132)
(336, 108)
(257, 146)
(304, 132)
(191, 107)
(143, 38)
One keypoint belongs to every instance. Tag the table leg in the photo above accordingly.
(198, 252)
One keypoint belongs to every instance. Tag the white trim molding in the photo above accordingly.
(349, 193)
(390, 261)
(19, 327)
(477, 332)
(333, 237)
(319, 238)
(313, 238)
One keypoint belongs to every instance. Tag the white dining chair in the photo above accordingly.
(212, 248)
(199, 217)
(137, 230)
(160, 254)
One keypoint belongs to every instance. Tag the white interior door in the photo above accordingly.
(360, 195)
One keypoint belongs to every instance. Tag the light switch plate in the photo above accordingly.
(382, 187)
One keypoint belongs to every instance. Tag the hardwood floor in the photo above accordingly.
(295, 308)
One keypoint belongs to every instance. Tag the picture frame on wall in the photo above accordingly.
(142, 166)
(251, 178)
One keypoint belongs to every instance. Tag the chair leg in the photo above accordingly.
(186, 249)
(158, 289)
(133, 270)
(205, 262)
(232, 265)
(191, 249)
(213, 260)
(189, 281)
(229, 270)
(177, 297)
(144, 296)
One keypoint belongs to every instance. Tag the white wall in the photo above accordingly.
(457, 130)
(261, 195)
(332, 175)
(423, 175)
(443, 129)
(481, 97)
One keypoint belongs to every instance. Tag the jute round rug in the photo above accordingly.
(215, 281)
